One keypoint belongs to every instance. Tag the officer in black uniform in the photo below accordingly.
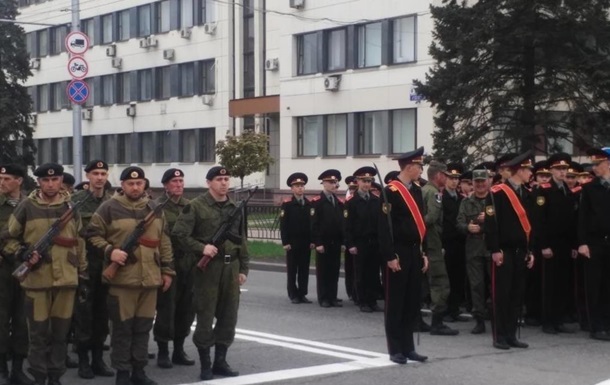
(594, 241)
(557, 206)
(295, 230)
(348, 258)
(508, 235)
(361, 214)
(401, 239)
(327, 236)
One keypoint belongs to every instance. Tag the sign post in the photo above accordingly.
(77, 43)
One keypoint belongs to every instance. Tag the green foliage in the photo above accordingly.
(244, 155)
(15, 103)
(513, 75)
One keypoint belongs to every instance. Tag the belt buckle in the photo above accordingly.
(227, 259)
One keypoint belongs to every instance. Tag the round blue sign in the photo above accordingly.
(78, 91)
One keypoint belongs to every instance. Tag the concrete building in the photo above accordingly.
(329, 81)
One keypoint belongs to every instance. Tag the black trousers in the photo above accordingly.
(597, 284)
(366, 272)
(350, 285)
(328, 265)
(403, 295)
(90, 320)
(556, 284)
(508, 288)
(297, 269)
(455, 262)
(533, 289)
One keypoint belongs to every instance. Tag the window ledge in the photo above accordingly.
(335, 156)
(367, 156)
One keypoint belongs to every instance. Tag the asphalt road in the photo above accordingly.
(281, 343)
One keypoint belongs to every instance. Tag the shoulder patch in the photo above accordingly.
(186, 209)
(545, 185)
(315, 199)
(489, 210)
(438, 197)
(495, 188)
(540, 201)
(287, 200)
(312, 211)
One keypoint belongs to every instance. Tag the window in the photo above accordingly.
(144, 18)
(403, 40)
(109, 144)
(44, 150)
(336, 49)
(187, 79)
(58, 37)
(43, 42)
(28, 44)
(124, 87)
(59, 96)
(369, 133)
(108, 90)
(188, 145)
(197, 145)
(90, 99)
(186, 13)
(164, 147)
(145, 85)
(124, 148)
(336, 135)
(163, 17)
(43, 98)
(307, 135)
(369, 45)
(106, 29)
(208, 77)
(207, 11)
(564, 142)
(164, 83)
(88, 149)
(307, 47)
(88, 27)
(146, 147)
(123, 27)
(248, 41)
(403, 130)
(207, 143)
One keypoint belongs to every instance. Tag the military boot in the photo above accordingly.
(98, 366)
(206, 364)
(221, 367)
(4, 377)
(70, 362)
(122, 377)
(479, 328)
(179, 357)
(84, 367)
(438, 328)
(139, 377)
(18, 377)
(163, 360)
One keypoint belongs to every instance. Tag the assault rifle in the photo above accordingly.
(133, 240)
(224, 231)
(45, 242)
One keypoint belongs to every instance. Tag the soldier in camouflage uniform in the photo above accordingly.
(437, 272)
(13, 328)
(216, 287)
(91, 316)
(50, 288)
(132, 295)
(175, 313)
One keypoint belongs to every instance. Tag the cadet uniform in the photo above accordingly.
(132, 295)
(594, 233)
(348, 259)
(13, 328)
(51, 285)
(295, 230)
(216, 288)
(327, 231)
(508, 230)
(175, 313)
(361, 217)
(91, 316)
(401, 237)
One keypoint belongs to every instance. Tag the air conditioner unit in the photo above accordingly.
(207, 99)
(209, 28)
(111, 50)
(87, 114)
(168, 54)
(32, 119)
(186, 33)
(117, 62)
(131, 110)
(152, 41)
(298, 4)
(35, 64)
(331, 83)
(272, 64)
(144, 43)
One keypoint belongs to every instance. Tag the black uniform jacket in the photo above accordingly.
(594, 213)
(295, 222)
(361, 218)
(326, 220)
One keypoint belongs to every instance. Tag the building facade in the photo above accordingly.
(329, 81)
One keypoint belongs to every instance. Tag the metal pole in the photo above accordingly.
(77, 137)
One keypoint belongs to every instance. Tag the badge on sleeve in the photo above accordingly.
(438, 197)
(540, 201)
(489, 210)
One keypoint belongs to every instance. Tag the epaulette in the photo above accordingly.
(545, 185)
(495, 188)
(287, 200)
(315, 199)
(341, 200)
(349, 198)
(528, 188)
(576, 189)
(392, 188)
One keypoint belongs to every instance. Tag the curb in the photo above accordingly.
(281, 268)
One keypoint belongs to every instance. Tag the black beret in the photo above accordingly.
(217, 171)
(330, 175)
(49, 169)
(132, 172)
(82, 186)
(365, 172)
(13, 169)
(170, 174)
(297, 177)
(69, 179)
(542, 167)
(392, 175)
(96, 164)
(415, 156)
(454, 170)
(559, 160)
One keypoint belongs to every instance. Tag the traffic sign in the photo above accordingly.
(77, 43)
(78, 67)
(78, 91)
(414, 96)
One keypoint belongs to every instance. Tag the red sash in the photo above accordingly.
(517, 206)
(408, 198)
